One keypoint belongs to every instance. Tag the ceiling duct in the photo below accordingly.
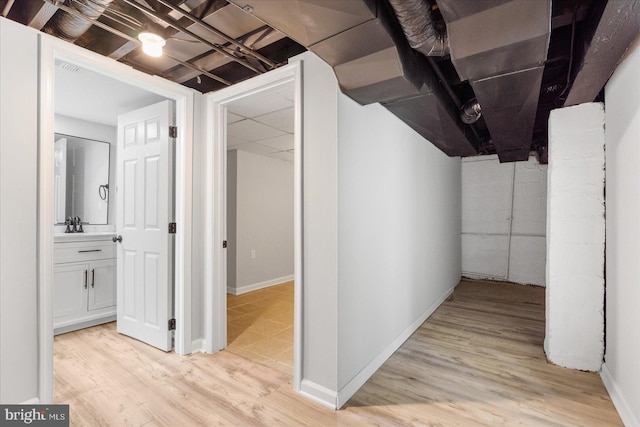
(69, 27)
(418, 25)
(500, 46)
(372, 61)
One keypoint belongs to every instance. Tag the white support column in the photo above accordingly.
(575, 237)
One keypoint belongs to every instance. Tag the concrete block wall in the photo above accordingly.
(575, 237)
(504, 211)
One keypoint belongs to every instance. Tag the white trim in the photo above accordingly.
(32, 401)
(197, 346)
(319, 394)
(87, 322)
(621, 404)
(260, 285)
(358, 381)
(215, 274)
(51, 49)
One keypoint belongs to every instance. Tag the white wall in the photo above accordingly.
(575, 238)
(259, 221)
(504, 210)
(99, 132)
(621, 371)
(381, 235)
(18, 212)
(320, 232)
(399, 236)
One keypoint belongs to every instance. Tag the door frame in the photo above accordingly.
(50, 50)
(215, 274)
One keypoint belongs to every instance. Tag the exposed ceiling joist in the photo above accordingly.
(617, 28)
(36, 13)
(202, 40)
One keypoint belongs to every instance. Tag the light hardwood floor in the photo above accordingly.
(478, 360)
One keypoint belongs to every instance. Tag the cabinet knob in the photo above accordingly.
(117, 238)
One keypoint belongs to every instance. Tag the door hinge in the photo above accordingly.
(224, 243)
(173, 131)
(172, 324)
(172, 228)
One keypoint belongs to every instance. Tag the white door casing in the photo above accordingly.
(187, 107)
(144, 209)
(215, 277)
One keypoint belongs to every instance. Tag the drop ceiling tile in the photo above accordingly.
(282, 120)
(280, 143)
(249, 131)
(253, 147)
(260, 104)
(282, 155)
(232, 118)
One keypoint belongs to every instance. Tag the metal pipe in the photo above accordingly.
(470, 112)
(133, 39)
(219, 33)
(443, 81)
(213, 46)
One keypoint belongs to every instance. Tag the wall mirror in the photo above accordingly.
(81, 179)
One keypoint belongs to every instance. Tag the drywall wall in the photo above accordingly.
(18, 212)
(259, 221)
(399, 236)
(232, 192)
(621, 373)
(319, 377)
(99, 132)
(504, 211)
(575, 238)
(381, 235)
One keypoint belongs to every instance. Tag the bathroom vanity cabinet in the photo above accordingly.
(84, 282)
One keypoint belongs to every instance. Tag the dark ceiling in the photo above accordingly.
(212, 44)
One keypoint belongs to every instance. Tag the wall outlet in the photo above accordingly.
(253, 254)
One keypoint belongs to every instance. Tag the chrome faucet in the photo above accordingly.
(74, 222)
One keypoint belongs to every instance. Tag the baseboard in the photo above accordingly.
(88, 322)
(318, 394)
(623, 408)
(197, 346)
(32, 401)
(255, 286)
(358, 381)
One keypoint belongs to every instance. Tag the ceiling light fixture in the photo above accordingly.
(151, 43)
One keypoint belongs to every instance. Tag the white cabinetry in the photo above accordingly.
(84, 284)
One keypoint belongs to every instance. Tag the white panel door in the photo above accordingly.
(144, 210)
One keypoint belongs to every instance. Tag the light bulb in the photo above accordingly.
(151, 43)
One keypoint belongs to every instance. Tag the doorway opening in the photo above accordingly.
(260, 205)
(280, 89)
(81, 97)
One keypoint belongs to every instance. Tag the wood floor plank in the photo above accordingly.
(477, 361)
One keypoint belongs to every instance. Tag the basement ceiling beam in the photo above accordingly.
(127, 47)
(616, 30)
(211, 60)
(35, 13)
(6, 8)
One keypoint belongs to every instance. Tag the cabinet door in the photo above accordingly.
(70, 289)
(102, 284)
